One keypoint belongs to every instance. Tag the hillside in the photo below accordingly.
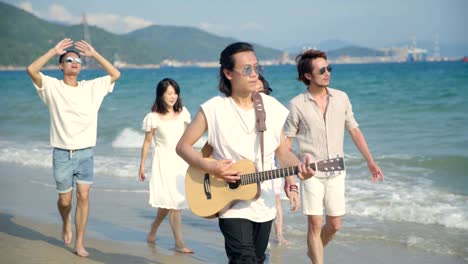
(189, 44)
(24, 37)
(326, 45)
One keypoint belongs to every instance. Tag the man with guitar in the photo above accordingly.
(231, 121)
(317, 119)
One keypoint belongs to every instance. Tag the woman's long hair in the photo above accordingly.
(161, 88)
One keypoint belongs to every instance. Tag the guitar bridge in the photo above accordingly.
(206, 186)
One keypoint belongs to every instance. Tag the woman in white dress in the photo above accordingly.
(263, 86)
(165, 124)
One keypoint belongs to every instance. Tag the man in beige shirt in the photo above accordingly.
(317, 119)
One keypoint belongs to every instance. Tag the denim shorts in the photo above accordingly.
(72, 165)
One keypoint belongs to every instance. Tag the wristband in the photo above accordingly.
(293, 188)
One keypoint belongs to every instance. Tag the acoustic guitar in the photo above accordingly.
(207, 194)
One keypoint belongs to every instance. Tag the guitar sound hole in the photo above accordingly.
(233, 185)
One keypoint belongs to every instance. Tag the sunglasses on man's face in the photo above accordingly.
(323, 69)
(248, 69)
(73, 59)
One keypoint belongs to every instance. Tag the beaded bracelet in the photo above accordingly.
(293, 188)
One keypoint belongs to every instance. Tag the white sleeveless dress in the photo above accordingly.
(167, 183)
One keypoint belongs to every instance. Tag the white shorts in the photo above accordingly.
(319, 192)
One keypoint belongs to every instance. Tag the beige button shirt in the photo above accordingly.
(320, 137)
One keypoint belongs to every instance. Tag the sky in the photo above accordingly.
(278, 24)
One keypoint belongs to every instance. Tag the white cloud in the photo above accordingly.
(215, 28)
(136, 22)
(26, 6)
(60, 13)
(227, 30)
(116, 23)
(110, 22)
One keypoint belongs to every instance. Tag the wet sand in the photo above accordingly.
(119, 221)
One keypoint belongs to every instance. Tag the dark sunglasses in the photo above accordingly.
(328, 68)
(72, 59)
(248, 69)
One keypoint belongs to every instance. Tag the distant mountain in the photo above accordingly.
(327, 45)
(337, 48)
(451, 50)
(190, 44)
(354, 51)
(333, 44)
(24, 37)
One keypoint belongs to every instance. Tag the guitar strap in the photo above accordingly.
(260, 117)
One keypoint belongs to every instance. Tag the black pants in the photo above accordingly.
(245, 241)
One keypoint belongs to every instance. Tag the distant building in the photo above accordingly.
(285, 59)
(416, 54)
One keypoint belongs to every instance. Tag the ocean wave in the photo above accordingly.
(429, 245)
(409, 193)
(411, 160)
(35, 154)
(131, 138)
(417, 189)
(120, 164)
(401, 200)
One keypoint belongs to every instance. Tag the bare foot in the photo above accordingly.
(184, 250)
(67, 233)
(283, 242)
(81, 252)
(151, 239)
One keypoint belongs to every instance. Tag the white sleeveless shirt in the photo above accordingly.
(232, 134)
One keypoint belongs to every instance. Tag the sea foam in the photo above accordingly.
(131, 138)
(400, 200)
(407, 195)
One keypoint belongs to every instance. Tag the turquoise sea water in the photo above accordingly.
(414, 117)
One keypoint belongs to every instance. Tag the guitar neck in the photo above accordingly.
(256, 177)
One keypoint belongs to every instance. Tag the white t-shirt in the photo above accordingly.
(73, 110)
(232, 134)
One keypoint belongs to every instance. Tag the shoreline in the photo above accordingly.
(345, 60)
(34, 242)
(118, 223)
